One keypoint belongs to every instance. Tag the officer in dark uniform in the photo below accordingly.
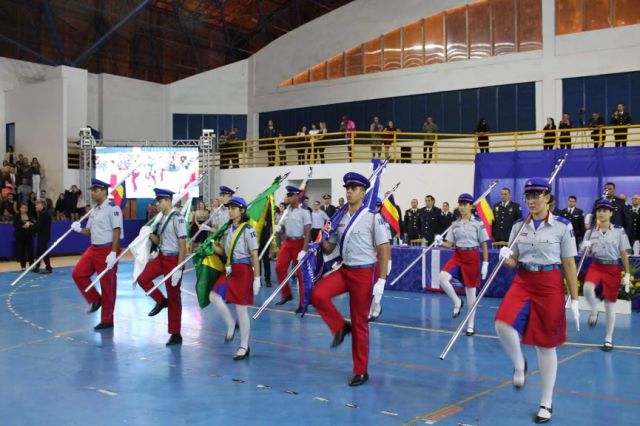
(327, 207)
(576, 217)
(412, 224)
(506, 212)
(634, 234)
(621, 213)
(430, 219)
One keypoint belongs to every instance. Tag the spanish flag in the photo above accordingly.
(119, 193)
(485, 213)
(390, 212)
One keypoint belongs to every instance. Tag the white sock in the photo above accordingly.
(245, 327)
(444, 279)
(611, 319)
(511, 343)
(223, 310)
(548, 362)
(471, 299)
(590, 294)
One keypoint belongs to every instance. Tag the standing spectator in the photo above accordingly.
(9, 208)
(234, 148)
(506, 213)
(301, 145)
(24, 190)
(620, 118)
(269, 145)
(376, 138)
(60, 208)
(447, 216)
(36, 173)
(32, 204)
(313, 142)
(621, 214)
(565, 136)
(390, 132)
(412, 225)
(71, 198)
(634, 234)
(282, 150)
(318, 218)
(576, 217)
(13, 177)
(482, 131)
(224, 149)
(430, 219)
(327, 207)
(348, 127)
(549, 138)
(42, 228)
(321, 144)
(431, 129)
(23, 233)
(43, 197)
(9, 156)
(200, 217)
(152, 211)
(597, 135)
(340, 202)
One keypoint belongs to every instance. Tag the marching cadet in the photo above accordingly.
(467, 234)
(297, 228)
(534, 306)
(430, 219)
(576, 217)
(221, 215)
(361, 235)
(609, 245)
(105, 229)
(412, 224)
(506, 212)
(170, 237)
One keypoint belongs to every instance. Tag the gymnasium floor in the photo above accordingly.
(55, 370)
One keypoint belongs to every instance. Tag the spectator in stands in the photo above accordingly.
(597, 135)
(270, 132)
(23, 191)
(313, 141)
(9, 208)
(234, 148)
(348, 127)
(199, 218)
(7, 189)
(282, 150)
(549, 138)
(482, 131)
(60, 208)
(36, 174)
(301, 145)
(565, 135)
(431, 128)
(376, 142)
(447, 216)
(13, 177)
(23, 234)
(71, 198)
(42, 229)
(620, 118)
(32, 204)
(390, 135)
(321, 144)
(9, 155)
(47, 200)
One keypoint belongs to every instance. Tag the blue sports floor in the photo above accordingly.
(55, 370)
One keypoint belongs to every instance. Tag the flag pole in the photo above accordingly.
(208, 221)
(63, 236)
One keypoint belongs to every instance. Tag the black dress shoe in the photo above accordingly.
(103, 326)
(299, 310)
(539, 419)
(284, 300)
(456, 312)
(47, 271)
(159, 306)
(339, 336)
(95, 306)
(359, 379)
(524, 382)
(175, 339)
(36, 270)
(228, 338)
(607, 347)
(241, 357)
(267, 283)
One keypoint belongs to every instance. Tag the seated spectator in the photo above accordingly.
(60, 208)
(9, 207)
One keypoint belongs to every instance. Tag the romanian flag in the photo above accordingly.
(119, 193)
(485, 213)
(390, 212)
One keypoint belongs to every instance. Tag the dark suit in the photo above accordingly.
(504, 219)
(42, 229)
(620, 119)
(330, 210)
(634, 232)
(431, 223)
(412, 224)
(577, 221)
(447, 220)
(621, 214)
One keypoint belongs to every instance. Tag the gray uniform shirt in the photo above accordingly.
(175, 230)
(103, 220)
(468, 233)
(220, 217)
(361, 243)
(608, 245)
(318, 219)
(295, 222)
(546, 245)
(247, 242)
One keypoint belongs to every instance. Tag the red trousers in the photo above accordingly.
(289, 254)
(93, 261)
(162, 265)
(359, 283)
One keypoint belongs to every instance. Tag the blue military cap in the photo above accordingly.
(96, 183)
(378, 200)
(226, 190)
(465, 198)
(163, 193)
(355, 179)
(537, 185)
(604, 204)
(292, 189)
(236, 202)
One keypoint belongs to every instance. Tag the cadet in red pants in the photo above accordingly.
(105, 228)
(170, 236)
(297, 227)
(361, 236)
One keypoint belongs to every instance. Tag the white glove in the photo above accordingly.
(176, 277)
(438, 240)
(485, 270)
(256, 285)
(278, 228)
(378, 290)
(505, 253)
(374, 310)
(111, 259)
(76, 226)
(627, 282)
(389, 267)
(585, 244)
(205, 228)
(301, 255)
(576, 313)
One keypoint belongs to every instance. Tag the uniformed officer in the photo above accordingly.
(170, 237)
(105, 229)
(534, 306)
(297, 228)
(634, 234)
(576, 217)
(467, 234)
(327, 207)
(412, 224)
(221, 215)
(609, 245)
(361, 236)
(430, 219)
(506, 212)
